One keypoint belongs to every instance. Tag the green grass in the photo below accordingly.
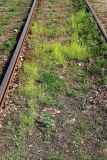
(37, 29)
(43, 29)
(59, 53)
(30, 70)
(8, 46)
(79, 50)
(102, 144)
(83, 25)
(71, 94)
(49, 102)
(82, 127)
(52, 82)
(28, 90)
(105, 79)
(74, 51)
(26, 124)
(57, 157)
(99, 121)
(78, 4)
(85, 87)
(99, 66)
(2, 32)
(31, 74)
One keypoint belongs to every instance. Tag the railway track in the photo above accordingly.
(55, 105)
(9, 76)
(100, 25)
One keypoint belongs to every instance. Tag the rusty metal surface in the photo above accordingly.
(9, 73)
(102, 30)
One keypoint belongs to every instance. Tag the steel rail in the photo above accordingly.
(102, 30)
(12, 65)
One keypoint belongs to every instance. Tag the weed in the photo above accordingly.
(102, 144)
(71, 94)
(56, 157)
(78, 4)
(26, 124)
(47, 48)
(102, 156)
(47, 134)
(8, 45)
(98, 67)
(85, 87)
(61, 120)
(28, 89)
(31, 74)
(60, 105)
(82, 127)
(78, 50)
(42, 29)
(58, 51)
(32, 115)
(37, 28)
(12, 156)
(76, 21)
(105, 80)
(50, 102)
(2, 158)
(84, 26)
(47, 101)
(47, 122)
(75, 70)
(2, 31)
(83, 156)
(20, 138)
(52, 83)
(50, 62)
(102, 62)
(98, 121)
(30, 71)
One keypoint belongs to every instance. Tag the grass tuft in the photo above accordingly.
(52, 83)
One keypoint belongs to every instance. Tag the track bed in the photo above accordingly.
(58, 107)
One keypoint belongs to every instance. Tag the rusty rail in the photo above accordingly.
(102, 30)
(11, 68)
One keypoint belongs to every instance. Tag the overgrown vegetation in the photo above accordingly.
(56, 86)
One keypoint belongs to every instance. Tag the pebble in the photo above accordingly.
(15, 30)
